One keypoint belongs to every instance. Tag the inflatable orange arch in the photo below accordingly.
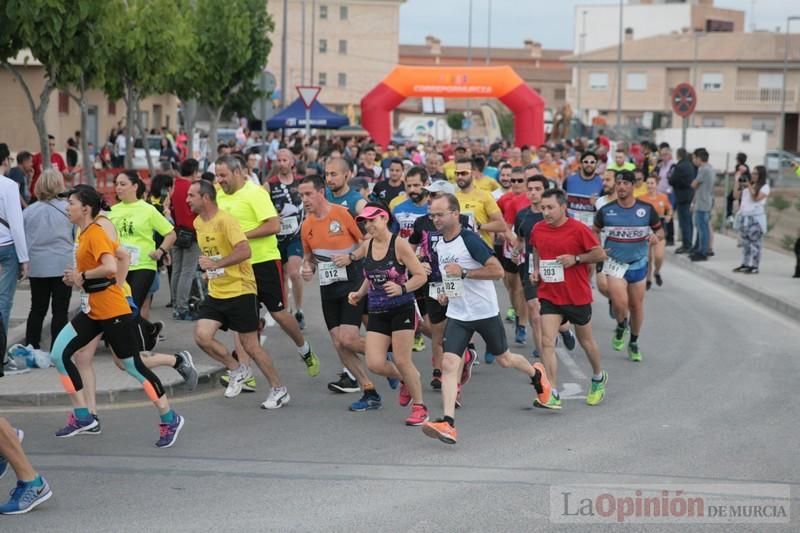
(455, 82)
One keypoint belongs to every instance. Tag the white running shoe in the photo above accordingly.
(278, 397)
(238, 377)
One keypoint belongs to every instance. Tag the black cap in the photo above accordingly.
(625, 175)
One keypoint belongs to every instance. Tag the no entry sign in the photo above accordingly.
(684, 100)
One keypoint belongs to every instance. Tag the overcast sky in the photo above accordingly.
(547, 21)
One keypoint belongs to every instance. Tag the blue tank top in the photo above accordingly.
(378, 272)
(349, 200)
(628, 230)
(581, 195)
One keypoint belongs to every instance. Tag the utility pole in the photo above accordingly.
(283, 53)
(313, 37)
(303, 42)
(619, 73)
(489, 35)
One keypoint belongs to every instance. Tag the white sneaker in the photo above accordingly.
(238, 377)
(278, 397)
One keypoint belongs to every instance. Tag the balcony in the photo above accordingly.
(747, 95)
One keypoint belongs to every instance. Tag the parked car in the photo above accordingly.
(139, 156)
(781, 166)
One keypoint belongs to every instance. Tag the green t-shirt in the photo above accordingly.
(135, 223)
(252, 206)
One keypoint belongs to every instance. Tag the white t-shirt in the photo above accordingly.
(748, 206)
(120, 144)
(479, 298)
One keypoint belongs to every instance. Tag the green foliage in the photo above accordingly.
(779, 202)
(454, 120)
(506, 122)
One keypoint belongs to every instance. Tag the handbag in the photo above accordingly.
(184, 238)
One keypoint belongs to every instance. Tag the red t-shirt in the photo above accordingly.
(570, 238)
(181, 213)
(55, 160)
(511, 204)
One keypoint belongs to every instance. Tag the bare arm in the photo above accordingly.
(491, 270)
(240, 253)
(271, 226)
(496, 223)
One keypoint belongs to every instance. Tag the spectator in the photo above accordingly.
(680, 179)
(664, 167)
(13, 249)
(22, 174)
(752, 218)
(50, 239)
(703, 185)
(120, 147)
(167, 153)
(186, 252)
(73, 156)
(56, 161)
(742, 172)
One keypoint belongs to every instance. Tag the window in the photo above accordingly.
(343, 12)
(764, 124)
(636, 81)
(712, 81)
(770, 80)
(560, 94)
(323, 46)
(713, 122)
(342, 46)
(342, 79)
(323, 78)
(323, 12)
(63, 103)
(112, 108)
(598, 81)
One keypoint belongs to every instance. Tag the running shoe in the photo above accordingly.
(541, 383)
(418, 415)
(488, 358)
(11, 368)
(633, 352)
(249, 385)
(647, 285)
(97, 430)
(393, 382)
(659, 281)
(554, 403)
(419, 343)
(3, 461)
(751, 270)
(237, 379)
(187, 370)
(522, 335)
(76, 426)
(741, 268)
(168, 433)
(469, 363)
(511, 315)
(312, 363)
(439, 429)
(568, 337)
(344, 384)
(436, 382)
(597, 391)
(301, 319)
(26, 496)
(277, 398)
(403, 397)
(370, 401)
(535, 354)
(618, 340)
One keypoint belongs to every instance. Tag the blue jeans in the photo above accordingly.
(701, 219)
(9, 272)
(685, 221)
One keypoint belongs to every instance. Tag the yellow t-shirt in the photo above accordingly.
(251, 206)
(485, 183)
(397, 200)
(478, 206)
(217, 238)
(641, 190)
(449, 170)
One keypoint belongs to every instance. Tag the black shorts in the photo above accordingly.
(119, 332)
(458, 334)
(239, 313)
(530, 290)
(290, 247)
(140, 282)
(269, 284)
(338, 312)
(421, 295)
(437, 313)
(508, 264)
(399, 318)
(580, 315)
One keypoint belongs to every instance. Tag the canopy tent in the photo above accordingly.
(294, 116)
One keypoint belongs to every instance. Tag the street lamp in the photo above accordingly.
(782, 135)
(581, 47)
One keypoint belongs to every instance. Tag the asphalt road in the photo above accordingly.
(714, 402)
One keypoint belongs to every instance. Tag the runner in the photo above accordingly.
(388, 190)
(663, 207)
(32, 489)
(631, 226)
(282, 188)
(562, 247)
(330, 236)
(103, 310)
(232, 301)
(504, 179)
(609, 195)
(392, 317)
(337, 174)
(468, 269)
(583, 189)
(480, 181)
(252, 208)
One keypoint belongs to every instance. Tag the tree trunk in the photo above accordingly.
(132, 105)
(143, 133)
(190, 116)
(88, 164)
(212, 132)
(38, 113)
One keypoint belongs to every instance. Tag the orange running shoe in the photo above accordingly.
(541, 383)
(439, 429)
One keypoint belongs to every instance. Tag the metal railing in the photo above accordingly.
(747, 95)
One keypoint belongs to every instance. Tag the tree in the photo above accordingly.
(455, 120)
(231, 50)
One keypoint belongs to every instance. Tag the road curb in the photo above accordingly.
(207, 380)
(788, 309)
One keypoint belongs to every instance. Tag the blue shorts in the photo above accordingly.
(156, 283)
(636, 275)
(290, 247)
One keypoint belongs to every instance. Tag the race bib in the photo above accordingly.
(615, 269)
(330, 273)
(551, 271)
(85, 307)
(213, 273)
(435, 290)
(587, 217)
(530, 263)
(453, 287)
(471, 220)
(289, 226)
(134, 253)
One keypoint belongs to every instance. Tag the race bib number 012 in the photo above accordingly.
(551, 271)
(615, 269)
(330, 273)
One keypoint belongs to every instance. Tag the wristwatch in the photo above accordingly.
(577, 260)
(464, 273)
(352, 258)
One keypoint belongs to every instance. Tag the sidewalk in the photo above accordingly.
(42, 386)
(773, 286)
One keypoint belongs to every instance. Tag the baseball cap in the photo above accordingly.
(625, 175)
(372, 212)
(441, 186)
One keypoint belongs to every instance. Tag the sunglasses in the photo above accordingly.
(589, 162)
(517, 181)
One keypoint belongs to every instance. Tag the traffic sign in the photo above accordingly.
(308, 93)
(266, 82)
(263, 109)
(684, 100)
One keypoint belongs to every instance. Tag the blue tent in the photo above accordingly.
(294, 116)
